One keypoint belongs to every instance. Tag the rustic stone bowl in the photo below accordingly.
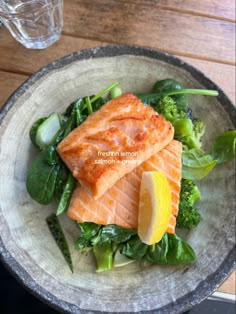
(27, 247)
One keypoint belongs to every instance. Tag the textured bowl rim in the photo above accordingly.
(208, 285)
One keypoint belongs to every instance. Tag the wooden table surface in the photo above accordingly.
(200, 32)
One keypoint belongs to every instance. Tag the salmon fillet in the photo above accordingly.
(123, 125)
(119, 205)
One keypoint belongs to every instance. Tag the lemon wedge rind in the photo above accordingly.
(154, 207)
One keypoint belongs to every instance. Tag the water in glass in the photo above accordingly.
(36, 24)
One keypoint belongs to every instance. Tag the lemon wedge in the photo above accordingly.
(154, 207)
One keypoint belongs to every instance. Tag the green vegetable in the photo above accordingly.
(89, 236)
(112, 245)
(79, 104)
(115, 233)
(120, 260)
(135, 248)
(168, 108)
(170, 250)
(93, 234)
(89, 105)
(196, 164)
(78, 108)
(104, 91)
(121, 246)
(183, 127)
(98, 103)
(47, 175)
(188, 131)
(224, 147)
(58, 235)
(69, 125)
(88, 229)
(115, 92)
(109, 238)
(185, 91)
(34, 129)
(167, 85)
(172, 88)
(62, 177)
(188, 216)
(104, 256)
(66, 195)
(48, 130)
(190, 193)
(193, 140)
(42, 176)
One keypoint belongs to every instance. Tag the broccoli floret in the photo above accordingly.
(188, 215)
(169, 110)
(189, 193)
(187, 130)
(198, 128)
(194, 140)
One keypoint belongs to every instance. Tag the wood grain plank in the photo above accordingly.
(8, 84)
(15, 58)
(229, 286)
(215, 8)
(139, 24)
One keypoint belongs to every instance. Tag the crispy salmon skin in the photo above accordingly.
(123, 125)
(119, 205)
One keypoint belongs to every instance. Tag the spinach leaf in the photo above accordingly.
(59, 237)
(196, 164)
(134, 248)
(89, 235)
(34, 129)
(62, 177)
(170, 250)
(115, 233)
(179, 251)
(98, 103)
(77, 108)
(70, 125)
(167, 85)
(93, 234)
(76, 105)
(89, 229)
(42, 176)
(112, 238)
(224, 147)
(66, 195)
(83, 244)
(51, 156)
(158, 252)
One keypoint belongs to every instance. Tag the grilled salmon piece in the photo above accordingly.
(123, 125)
(119, 205)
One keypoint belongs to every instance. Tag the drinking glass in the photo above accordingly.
(36, 24)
